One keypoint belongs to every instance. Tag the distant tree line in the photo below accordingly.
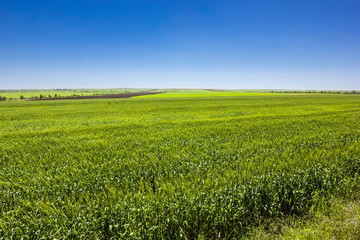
(315, 91)
(77, 92)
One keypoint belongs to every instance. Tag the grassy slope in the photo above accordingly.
(160, 167)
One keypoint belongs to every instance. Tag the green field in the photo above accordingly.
(204, 93)
(211, 165)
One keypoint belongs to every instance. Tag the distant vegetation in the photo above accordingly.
(174, 168)
(33, 94)
(30, 94)
(314, 91)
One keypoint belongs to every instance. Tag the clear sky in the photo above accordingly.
(239, 44)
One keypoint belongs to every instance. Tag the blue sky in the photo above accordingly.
(242, 44)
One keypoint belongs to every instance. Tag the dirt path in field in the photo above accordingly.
(121, 95)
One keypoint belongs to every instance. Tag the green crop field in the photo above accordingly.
(204, 93)
(198, 165)
(171, 93)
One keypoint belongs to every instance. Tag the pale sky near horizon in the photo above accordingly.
(233, 44)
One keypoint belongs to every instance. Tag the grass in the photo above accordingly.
(172, 168)
(335, 219)
(341, 221)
